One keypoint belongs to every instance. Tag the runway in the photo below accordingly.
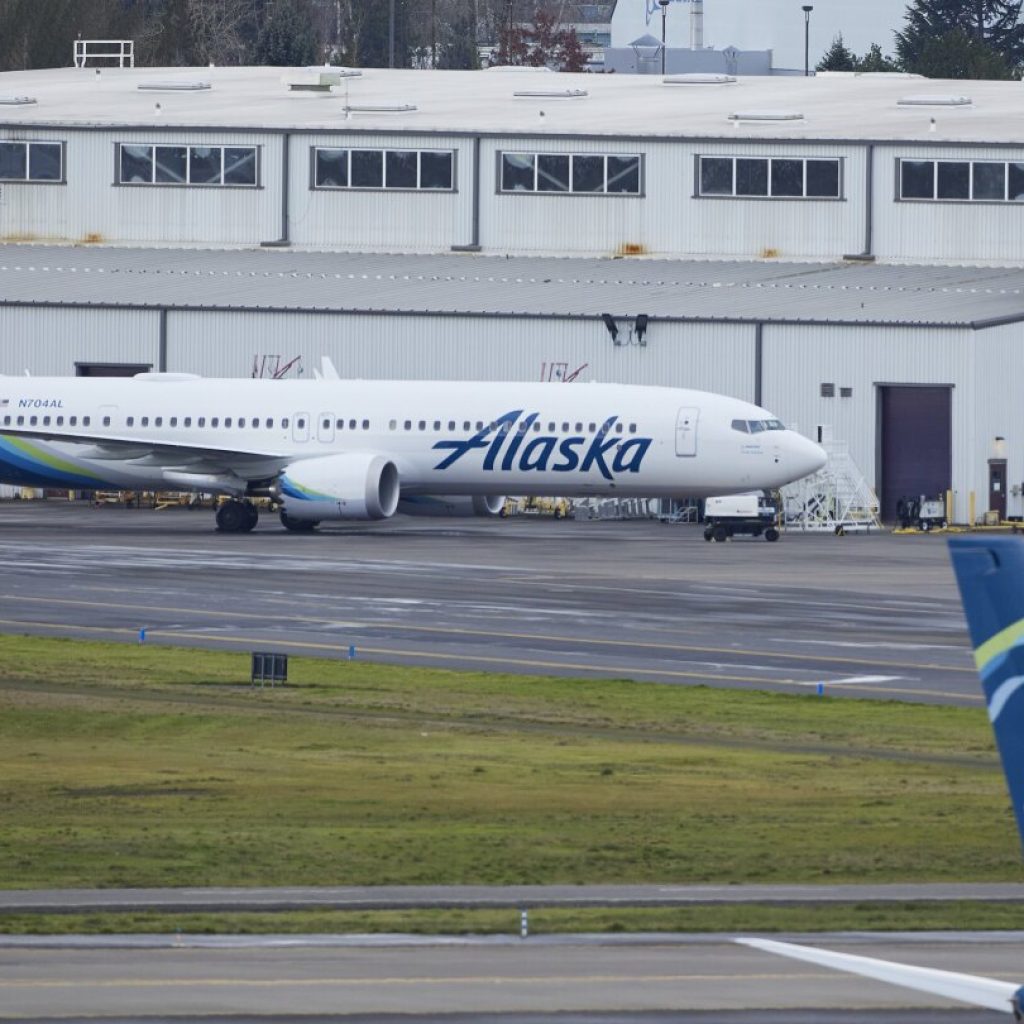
(690, 980)
(868, 616)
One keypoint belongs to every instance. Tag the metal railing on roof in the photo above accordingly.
(120, 50)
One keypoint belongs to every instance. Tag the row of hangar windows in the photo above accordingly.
(326, 424)
(434, 170)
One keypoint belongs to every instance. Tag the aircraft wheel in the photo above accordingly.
(708, 533)
(298, 525)
(236, 517)
(720, 534)
(771, 534)
(252, 516)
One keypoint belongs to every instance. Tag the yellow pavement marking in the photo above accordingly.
(652, 645)
(618, 670)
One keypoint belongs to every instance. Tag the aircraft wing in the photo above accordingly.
(246, 463)
(1003, 996)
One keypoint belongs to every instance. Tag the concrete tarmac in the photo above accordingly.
(699, 979)
(867, 616)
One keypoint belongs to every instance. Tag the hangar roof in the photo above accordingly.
(519, 287)
(829, 105)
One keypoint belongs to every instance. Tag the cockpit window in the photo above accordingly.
(756, 426)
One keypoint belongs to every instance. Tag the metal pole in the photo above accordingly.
(664, 11)
(807, 8)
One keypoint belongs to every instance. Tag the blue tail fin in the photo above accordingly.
(990, 572)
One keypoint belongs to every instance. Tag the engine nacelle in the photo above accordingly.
(356, 485)
(452, 505)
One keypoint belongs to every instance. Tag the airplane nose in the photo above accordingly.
(805, 457)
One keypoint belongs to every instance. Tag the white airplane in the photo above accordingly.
(990, 574)
(332, 449)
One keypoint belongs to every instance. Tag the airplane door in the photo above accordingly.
(300, 426)
(686, 431)
(325, 427)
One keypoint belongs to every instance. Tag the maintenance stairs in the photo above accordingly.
(836, 499)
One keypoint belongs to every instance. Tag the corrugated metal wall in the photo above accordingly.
(715, 357)
(953, 231)
(91, 208)
(361, 218)
(48, 342)
(798, 360)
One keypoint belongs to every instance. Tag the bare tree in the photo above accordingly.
(218, 29)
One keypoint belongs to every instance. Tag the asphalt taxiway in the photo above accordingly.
(689, 980)
(874, 615)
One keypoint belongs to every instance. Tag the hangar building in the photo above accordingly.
(841, 248)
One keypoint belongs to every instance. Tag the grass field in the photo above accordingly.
(133, 766)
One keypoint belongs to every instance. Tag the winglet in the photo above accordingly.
(990, 573)
(327, 369)
(1004, 996)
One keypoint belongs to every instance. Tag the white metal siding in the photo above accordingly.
(713, 357)
(943, 231)
(48, 342)
(91, 208)
(420, 221)
(668, 219)
(798, 359)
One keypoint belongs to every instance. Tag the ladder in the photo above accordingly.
(836, 499)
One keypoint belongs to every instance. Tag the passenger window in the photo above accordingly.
(351, 424)
(366, 424)
(241, 421)
(536, 428)
(326, 424)
(591, 428)
(73, 421)
(21, 421)
(86, 421)
(632, 428)
(300, 423)
(214, 421)
(467, 425)
(201, 422)
(579, 428)
(269, 424)
(60, 421)
(174, 421)
(565, 428)
(145, 421)
(618, 428)
(158, 422)
(393, 424)
(46, 421)
(451, 424)
(7, 421)
(338, 424)
(106, 421)
(284, 423)
(423, 424)
(32, 422)
(551, 428)
(408, 424)
(188, 421)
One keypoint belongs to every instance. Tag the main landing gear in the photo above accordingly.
(298, 525)
(236, 516)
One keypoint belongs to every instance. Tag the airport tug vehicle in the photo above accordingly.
(755, 515)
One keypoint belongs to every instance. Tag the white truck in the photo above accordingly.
(755, 514)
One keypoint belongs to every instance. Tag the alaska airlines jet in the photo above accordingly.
(331, 449)
(990, 574)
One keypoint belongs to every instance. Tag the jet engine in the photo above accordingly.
(452, 505)
(356, 485)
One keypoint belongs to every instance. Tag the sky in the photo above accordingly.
(777, 25)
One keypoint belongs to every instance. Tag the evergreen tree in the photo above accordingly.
(958, 55)
(837, 57)
(457, 50)
(875, 61)
(287, 38)
(994, 23)
(371, 33)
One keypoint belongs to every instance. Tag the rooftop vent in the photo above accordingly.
(380, 108)
(515, 69)
(926, 100)
(698, 78)
(766, 115)
(551, 94)
(17, 101)
(175, 85)
(320, 79)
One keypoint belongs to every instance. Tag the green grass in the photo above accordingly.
(133, 766)
(542, 921)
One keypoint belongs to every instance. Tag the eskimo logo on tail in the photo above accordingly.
(511, 444)
(990, 574)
